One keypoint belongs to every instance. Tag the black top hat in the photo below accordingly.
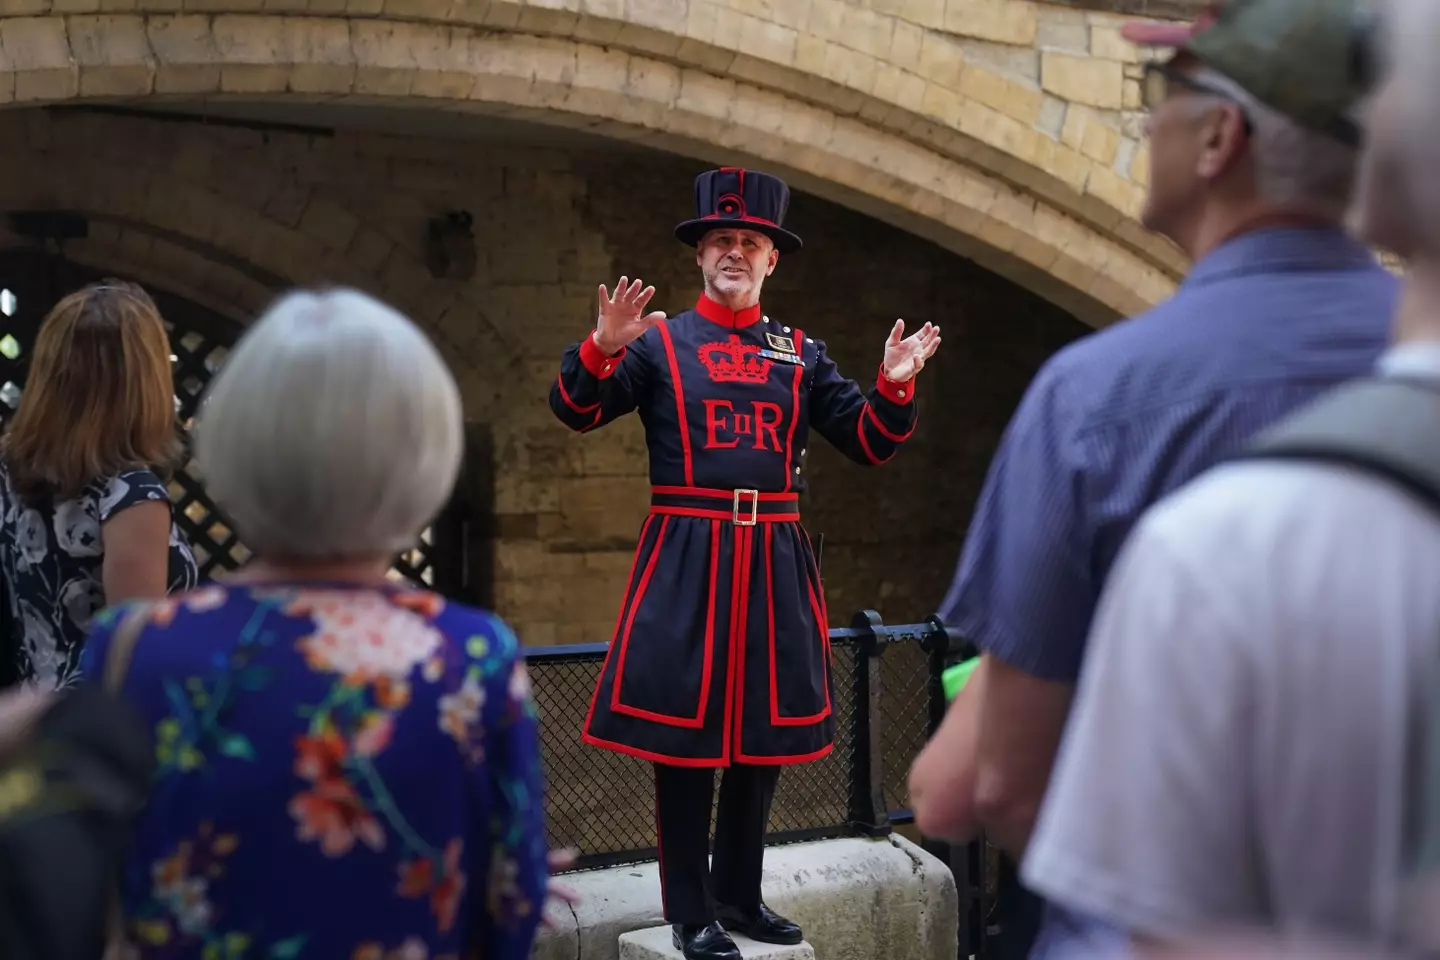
(740, 199)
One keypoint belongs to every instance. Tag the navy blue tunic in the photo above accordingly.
(720, 654)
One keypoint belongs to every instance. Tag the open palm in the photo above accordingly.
(905, 358)
(622, 316)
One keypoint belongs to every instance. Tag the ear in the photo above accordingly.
(699, 255)
(773, 259)
(1223, 137)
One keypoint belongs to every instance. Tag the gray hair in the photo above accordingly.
(334, 430)
(1296, 168)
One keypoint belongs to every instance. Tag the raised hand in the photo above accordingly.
(905, 358)
(622, 316)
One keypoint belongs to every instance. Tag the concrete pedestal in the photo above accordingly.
(656, 943)
(856, 899)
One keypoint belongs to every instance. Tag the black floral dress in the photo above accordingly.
(52, 559)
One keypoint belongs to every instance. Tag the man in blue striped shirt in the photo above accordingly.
(1253, 153)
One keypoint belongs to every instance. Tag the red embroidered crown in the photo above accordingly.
(734, 362)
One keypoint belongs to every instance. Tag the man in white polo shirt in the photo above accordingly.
(1243, 749)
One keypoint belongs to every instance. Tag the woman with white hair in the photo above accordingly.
(347, 767)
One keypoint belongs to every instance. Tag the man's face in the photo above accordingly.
(1385, 199)
(1195, 135)
(735, 264)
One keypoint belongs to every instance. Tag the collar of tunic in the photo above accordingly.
(723, 315)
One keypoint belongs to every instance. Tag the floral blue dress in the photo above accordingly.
(344, 772)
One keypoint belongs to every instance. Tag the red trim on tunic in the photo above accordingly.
(776, 720)
(725, 495)
(693, 723)
(597, 361)
(653, 757)
(738, 628)
(820, 754)
(619, 618)
(565, 395)
(723, 315)
(864, 443)
(886, 432)
(726, 515)
(794, 408)
(679, 402)
(732, 652)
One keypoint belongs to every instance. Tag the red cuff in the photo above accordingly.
(893, 390)
(597, 361)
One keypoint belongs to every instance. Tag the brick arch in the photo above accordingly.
(178, 225)
(915, 135)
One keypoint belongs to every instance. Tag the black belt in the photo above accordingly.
(744, 508)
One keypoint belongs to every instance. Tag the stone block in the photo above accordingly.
(656, 943)
(1085, 131)
(993, 90)
(1096, 83)
(37, 50)
(768, 41)
(1106, 43)
(113, 55)
(941, 61)
(925, 13)
(1063, 30)
(1002, 21)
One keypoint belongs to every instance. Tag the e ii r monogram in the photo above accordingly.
(725, 427)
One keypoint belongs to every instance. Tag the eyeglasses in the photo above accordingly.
(1159, 78)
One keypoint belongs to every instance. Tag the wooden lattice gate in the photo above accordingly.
(200, 339)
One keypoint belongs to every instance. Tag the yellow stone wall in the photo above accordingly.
(1004, 130)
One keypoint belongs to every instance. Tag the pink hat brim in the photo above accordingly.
(1157, 34)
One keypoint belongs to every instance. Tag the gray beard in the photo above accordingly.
(718, 283)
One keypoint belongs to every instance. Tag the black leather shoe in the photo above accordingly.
(763, 925)
(704, 943)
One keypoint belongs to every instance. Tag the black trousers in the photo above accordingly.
(690, 887)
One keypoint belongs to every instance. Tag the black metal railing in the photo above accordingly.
(888, 701)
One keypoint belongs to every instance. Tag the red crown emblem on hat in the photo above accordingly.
(734, 362)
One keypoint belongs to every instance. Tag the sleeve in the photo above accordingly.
(510, 892)
(129, 488)
(1145, 824)
(1023, 591)
(866, 428)
(593, 388)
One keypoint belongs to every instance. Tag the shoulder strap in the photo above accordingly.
(1389, 428)
(122, 647)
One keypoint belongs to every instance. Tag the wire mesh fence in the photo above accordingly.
(602, 803)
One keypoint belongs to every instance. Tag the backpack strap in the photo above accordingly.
(1389, 428)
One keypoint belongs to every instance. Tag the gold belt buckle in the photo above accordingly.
(754, 508)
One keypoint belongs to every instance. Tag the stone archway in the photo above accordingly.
(897, 114)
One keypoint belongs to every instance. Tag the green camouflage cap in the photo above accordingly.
(1307, 59)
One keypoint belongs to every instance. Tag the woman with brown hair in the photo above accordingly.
(86, 518)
